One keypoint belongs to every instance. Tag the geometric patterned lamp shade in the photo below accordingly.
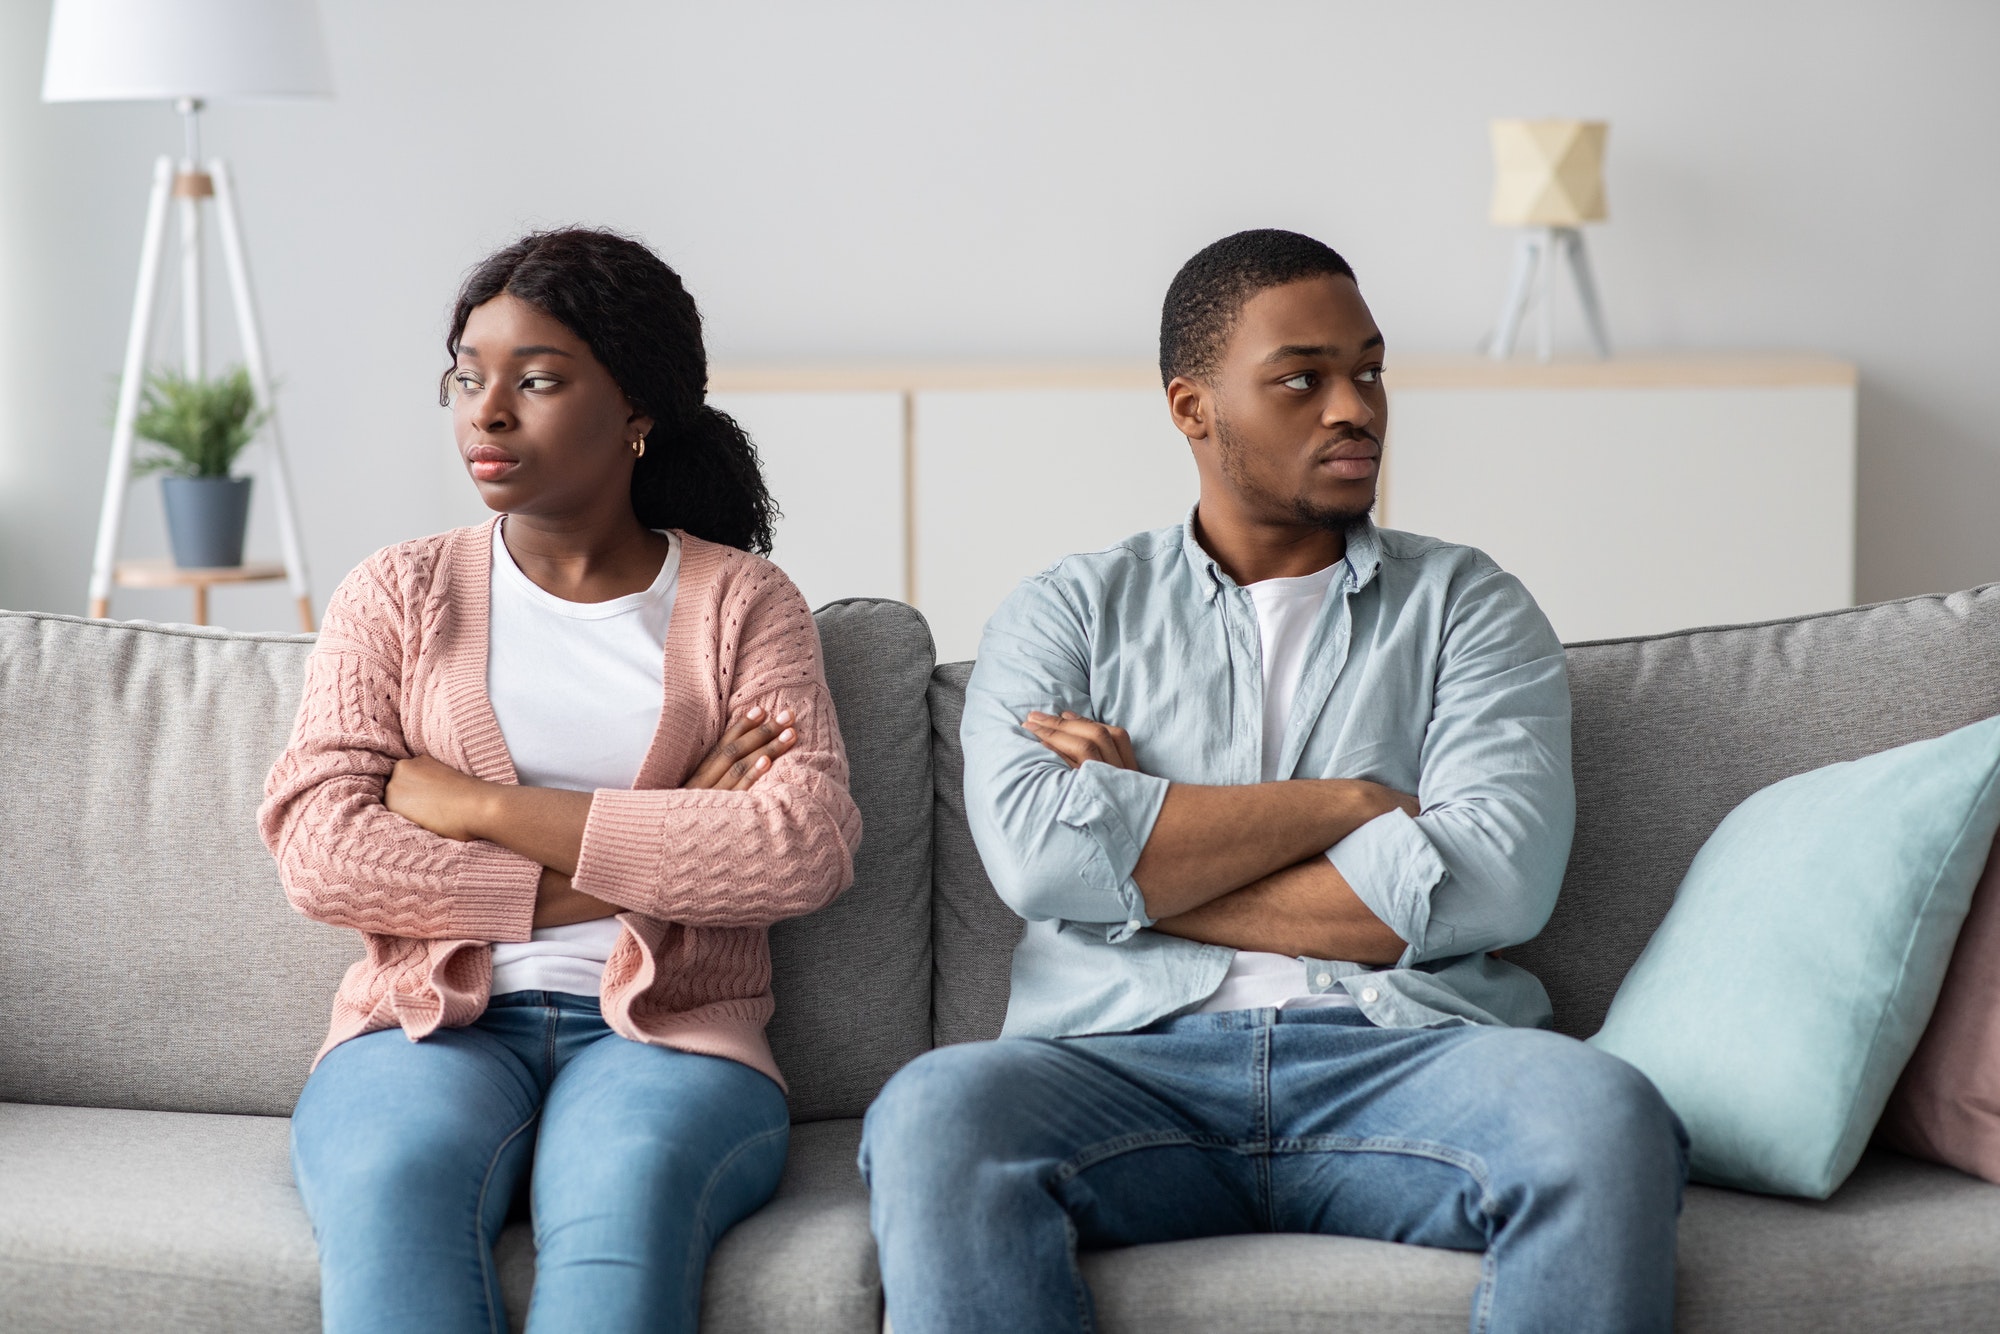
(1548, 173)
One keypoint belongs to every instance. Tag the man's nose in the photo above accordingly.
(1347, 404)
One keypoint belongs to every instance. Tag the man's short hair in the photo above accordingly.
(1208, 293)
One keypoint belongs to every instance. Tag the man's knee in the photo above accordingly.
(949, 1110)
(1587, 1118)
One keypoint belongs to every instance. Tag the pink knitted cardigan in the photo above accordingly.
(400, 669)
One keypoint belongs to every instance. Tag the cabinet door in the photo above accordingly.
(834, 462)
(1009, 481)
(1633, 511)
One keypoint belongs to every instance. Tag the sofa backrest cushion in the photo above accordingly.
(852, 980)
(1671, 732)
(972, 931)
(148, 957)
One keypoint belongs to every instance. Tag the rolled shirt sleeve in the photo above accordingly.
(1480, 867)
(1393, 869)
(1058, 843)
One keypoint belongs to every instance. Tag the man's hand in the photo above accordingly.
(1077, 739)
(433, 795)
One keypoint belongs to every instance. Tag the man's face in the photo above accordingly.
(1295, 410)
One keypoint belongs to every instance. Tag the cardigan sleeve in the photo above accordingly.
(344, 857)
(740, 859)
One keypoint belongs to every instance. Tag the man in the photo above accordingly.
(1272, 787)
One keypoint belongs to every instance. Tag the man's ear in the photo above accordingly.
(1189, 404)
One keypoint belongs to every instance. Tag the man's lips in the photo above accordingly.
(490, 462)
(1352, 459)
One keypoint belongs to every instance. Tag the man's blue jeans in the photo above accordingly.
(992, 1162)
(408, 1155)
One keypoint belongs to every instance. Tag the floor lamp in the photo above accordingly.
(188, 52)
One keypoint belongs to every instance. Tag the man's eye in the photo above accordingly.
(1303, 380)
(1373, 375)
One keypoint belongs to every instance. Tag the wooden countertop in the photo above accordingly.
(1405, 371)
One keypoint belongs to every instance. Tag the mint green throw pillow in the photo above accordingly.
(1796, 970)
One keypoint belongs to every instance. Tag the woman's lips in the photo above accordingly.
(489, 463)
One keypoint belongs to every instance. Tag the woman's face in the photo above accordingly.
(542, 427)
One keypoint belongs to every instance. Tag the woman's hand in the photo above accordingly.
(437, 797)
(748, 749)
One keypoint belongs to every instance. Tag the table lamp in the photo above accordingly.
(189, 52)
(1548, 180)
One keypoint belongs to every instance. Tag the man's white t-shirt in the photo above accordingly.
(1287, 610)
(577, 689)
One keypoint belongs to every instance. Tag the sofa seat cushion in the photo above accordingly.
(160, 1220)
(1904, 1245)
(190, 1222)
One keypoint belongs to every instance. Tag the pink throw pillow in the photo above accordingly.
(1946, 1107)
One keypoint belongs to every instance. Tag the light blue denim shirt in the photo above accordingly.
(1430, 670)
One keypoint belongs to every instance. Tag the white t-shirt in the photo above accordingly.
(1287, 610)
(577, 689)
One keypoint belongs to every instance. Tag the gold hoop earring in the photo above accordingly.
(639, 448)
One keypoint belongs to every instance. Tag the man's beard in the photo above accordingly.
(1333, 518)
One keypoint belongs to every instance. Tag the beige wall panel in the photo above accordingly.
(834, 462)
(1635, 511)
(1008, 482)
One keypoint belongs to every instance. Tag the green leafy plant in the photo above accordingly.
(198, 426)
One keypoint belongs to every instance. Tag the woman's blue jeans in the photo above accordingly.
(991, 1163)
(409, 1155)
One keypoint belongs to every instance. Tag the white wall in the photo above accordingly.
(1022, 179)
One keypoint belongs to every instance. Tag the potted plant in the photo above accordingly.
(197, 428)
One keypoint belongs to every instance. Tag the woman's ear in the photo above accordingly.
(640, 424)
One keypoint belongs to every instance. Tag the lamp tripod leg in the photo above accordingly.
(1516, 305)
(118, 475)
(253, 357)
(1586, 290)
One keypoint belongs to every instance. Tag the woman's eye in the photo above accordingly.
(466, 383)
(1303, 380)
(538, 382)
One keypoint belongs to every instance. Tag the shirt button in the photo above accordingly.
(1324, 980)
(1134, 924)
(1369, 995)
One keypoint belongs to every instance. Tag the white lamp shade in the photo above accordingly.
(216, 50)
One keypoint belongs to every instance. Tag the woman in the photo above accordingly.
(561, 770)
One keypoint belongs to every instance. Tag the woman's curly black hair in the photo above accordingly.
(699, 472)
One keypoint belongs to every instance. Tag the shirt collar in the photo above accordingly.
(1364, 557)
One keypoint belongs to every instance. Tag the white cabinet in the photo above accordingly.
(1635, 497)
(1632, 496)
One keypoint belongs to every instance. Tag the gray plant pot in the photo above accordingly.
(205, 519)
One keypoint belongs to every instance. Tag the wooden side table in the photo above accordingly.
(163, 573)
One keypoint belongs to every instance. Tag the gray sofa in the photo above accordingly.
(159, 1001)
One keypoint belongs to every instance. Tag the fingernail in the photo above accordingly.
(763, 761)
(787, 734)
(784, 715)
(756, 712)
